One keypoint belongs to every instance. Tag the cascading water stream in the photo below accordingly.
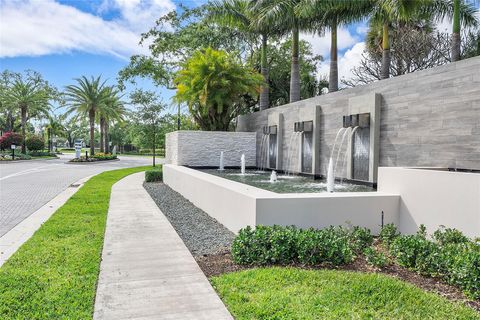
(330, 170)
(242, 164)
(289, 151)
(349, 146)
(221, 167)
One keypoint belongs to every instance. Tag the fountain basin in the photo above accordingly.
(284, 183)
(237, 205)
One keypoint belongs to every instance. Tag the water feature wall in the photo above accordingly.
(427, 118)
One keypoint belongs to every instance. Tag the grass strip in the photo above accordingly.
(292, 293)
(54, 274)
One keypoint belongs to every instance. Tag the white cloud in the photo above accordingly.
(346, 62)
(34, 27)
(321, 44)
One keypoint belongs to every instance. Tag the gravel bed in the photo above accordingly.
(201, 233)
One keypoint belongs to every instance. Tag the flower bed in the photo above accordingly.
(96, 157)
(447, 255)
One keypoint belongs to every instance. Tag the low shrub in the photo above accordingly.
(41, 154)
(104, 156)
(285, 245)
(9, 138)
(445, 236)
(388, 233)
(153, 175)
(35, 143)
(18, 156)
(375, 258)
(360, 238)
(331, 245)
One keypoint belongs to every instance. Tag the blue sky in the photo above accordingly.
(64, 39)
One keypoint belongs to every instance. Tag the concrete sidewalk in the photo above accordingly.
(147, 272)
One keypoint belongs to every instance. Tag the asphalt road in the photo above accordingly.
(25, 186)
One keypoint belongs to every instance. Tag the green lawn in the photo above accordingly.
(54, 274)
(290, 293)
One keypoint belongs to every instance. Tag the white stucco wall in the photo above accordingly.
(237, 205)
(434, 198)
(202, 148)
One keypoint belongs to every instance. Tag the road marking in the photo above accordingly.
(21, 173)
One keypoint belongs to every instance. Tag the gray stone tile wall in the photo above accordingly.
(428, 118)
(202, 148)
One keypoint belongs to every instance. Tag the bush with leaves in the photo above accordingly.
(375, 258)
(360, 238)
(388, 233)
(35, 143)
(10, 138)
(445, 236)
(154, 175)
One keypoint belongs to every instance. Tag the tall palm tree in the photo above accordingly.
(239, 14)
(54, 128)
(460, 12)
(112, 110)
(332, 14)
(85, 98)
(281, 16)
(31, 96)
(382, 13)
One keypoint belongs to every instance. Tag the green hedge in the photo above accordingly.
(154, 175)
(284, 245)
(449, 254)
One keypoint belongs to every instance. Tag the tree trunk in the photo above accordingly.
(49, 138)
(264, 94)
(333, 77)
(295, 67)
(107, 146)
(91, 115)
(102, 134)
(24, 125)
(456, 31)
(385, 53)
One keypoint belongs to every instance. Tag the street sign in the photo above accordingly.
(13, 147)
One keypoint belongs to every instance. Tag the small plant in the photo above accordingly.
(445, 236)
(388, 233)
(153, 175)
(35, 143)
(375, 258)
(360, 238)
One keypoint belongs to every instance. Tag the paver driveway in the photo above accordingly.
(26, 186)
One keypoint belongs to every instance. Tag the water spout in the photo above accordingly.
(273, 176)
(330, 176)
(221, 166)
(242, 163)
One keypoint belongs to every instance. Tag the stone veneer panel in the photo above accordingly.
(428, 118)
(202, 148)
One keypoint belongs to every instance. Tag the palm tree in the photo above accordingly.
(332, 14)
(54, 127)
(280, 15)
(31, 96)
(239, 14)
(112, 110)
(383, 13)
(461, 13)
(85, 98)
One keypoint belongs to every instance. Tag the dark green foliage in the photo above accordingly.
(451, 256)
(388, 233)
(375, 258)
(329, 245)
(283, 245)
(446, 236)
(360, 238)
(35, 143)
(153, 175)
